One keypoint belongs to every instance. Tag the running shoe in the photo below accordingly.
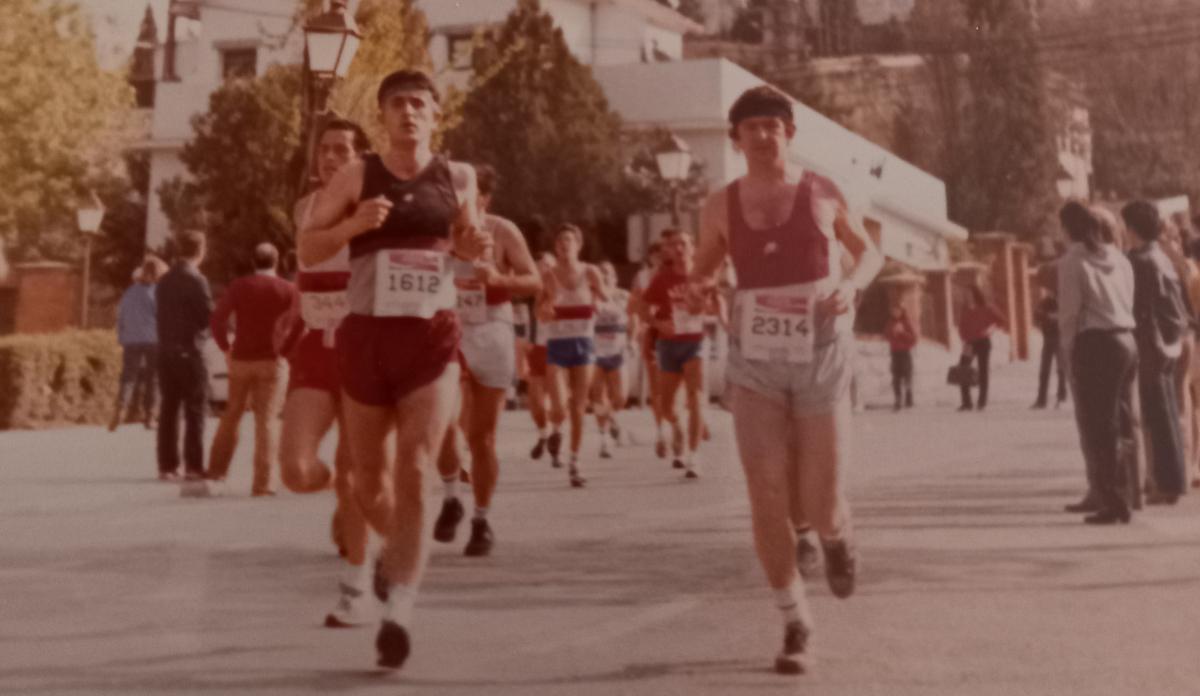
(577, 480)
(393, 645)
(691, 475)
(554, 444)
(194, 486)
(168, 476)
(808, 558)
(615, 431)
(353, 608)
(481, 540)
(841, 566)
(793, 659)
(677, 463)
(446, 525)
(604, 453)
(536, 452)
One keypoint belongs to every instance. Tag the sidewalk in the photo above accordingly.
(973, 581)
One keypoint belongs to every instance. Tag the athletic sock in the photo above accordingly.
(480, 513)
(451, 486)
(543, 433)
(357, 576)
(401, 599)
(793, 604)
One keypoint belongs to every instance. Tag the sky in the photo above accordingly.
(116, 24)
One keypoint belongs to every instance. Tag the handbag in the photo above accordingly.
(961, 375)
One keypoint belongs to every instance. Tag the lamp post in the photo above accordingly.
(674, 160)
(88, 216)
(331, 40)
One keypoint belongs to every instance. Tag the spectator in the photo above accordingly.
(137, 332)
(1046, 318)
(902, 338)
(1162, 323)
(1096, 299)
(258, 302)
(183, 308)
(975, 327)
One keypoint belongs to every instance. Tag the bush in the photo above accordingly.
(58, 379)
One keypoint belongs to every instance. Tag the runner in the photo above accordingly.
(680, 344)
(648, 340)
(314, 391)
(396, 350)
(613, 324)
(485, 290)
(572, 290)
(535, 359)
(799, 259)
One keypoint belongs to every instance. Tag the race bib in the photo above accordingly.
(472, 300)
(778, 325)
(324, 310)
(684, 322)
(610, 340)
(411, 283)
(571, 328)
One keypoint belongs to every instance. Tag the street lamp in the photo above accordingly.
(331, 40)
(674, 160)
(88, 216)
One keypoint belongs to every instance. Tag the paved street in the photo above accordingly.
(973, 581)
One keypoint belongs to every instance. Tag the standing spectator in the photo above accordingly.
(137, 332)
(183, 308)
(975, 327)
(1162, 322)
(902, 338)
(1096, 299)
(1174, 245)
(1046, 318)
(258, 301)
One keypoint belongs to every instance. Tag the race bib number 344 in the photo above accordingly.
(778, 326)
(412, 283)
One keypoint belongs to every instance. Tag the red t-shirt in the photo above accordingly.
(900, 334)
(664, 291)
(977, 322)
(258, 302)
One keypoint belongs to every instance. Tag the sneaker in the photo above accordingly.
(393, 645)
(808, 558)
(691, 475)
(447, 522)
(793, 659)
(481, 539)
(554, 444)
(577, 480)
(168, 476)
(604, 453)
(194, 486)
(841, 566)
(353, 608)
(677, 463)
(536, 452)
(262, 493)
(614, 431)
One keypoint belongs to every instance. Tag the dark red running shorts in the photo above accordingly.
(383, 359)
(537, 361)
(313, 365)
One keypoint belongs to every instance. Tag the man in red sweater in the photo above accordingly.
(257, 301)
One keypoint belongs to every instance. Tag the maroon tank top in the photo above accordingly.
(789, 254)
(423, 208)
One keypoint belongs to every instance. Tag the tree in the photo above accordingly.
(62, 119)
(692, 9)
(537, 115)
(240, 187)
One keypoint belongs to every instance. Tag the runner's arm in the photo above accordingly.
(867, 259)
(469, 239)
(714, 241)
(330, 225)
(523, 279)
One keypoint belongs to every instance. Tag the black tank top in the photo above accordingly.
(423, 208)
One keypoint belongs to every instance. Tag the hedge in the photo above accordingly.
(58, 379)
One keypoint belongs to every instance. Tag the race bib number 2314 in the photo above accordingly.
(778, 326)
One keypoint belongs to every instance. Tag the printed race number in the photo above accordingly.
(324, 310)
(778, 326)
(411, 283)
(472, 301)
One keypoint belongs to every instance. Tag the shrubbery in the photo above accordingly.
(57, 379)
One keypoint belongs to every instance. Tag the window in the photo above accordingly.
(239, 62)
(459, 47)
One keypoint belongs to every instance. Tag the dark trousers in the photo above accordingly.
(1104, 365)
(1050, 357)
(981, 351)
(1160, 414)
(139, 376)
(184, 382)
(902, 377)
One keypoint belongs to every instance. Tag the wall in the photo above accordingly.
(47, 297)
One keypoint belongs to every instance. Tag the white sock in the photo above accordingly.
(481, 513)
(357, 576)
(451, 486)
(689, 459)
(401, 599)
(793, 604)
(659, 427)
(543, 433)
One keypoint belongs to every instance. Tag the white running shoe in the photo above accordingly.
(353, 608)
(194, 488)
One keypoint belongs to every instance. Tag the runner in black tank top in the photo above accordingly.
(396, 350)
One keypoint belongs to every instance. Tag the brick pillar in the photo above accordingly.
(1022, 316)
(1004, 296)
(47, 297)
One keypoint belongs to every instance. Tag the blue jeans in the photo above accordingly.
(139, 371)
(1160, 414)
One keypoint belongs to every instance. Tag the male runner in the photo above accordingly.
(485, 291)
(572, 290)
(401, 214)
(800, 256)
(613, 324)
(647, 342)
(535, 360)
(314, 392)
(680, 344)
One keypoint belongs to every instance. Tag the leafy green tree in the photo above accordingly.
(240, 186)
(537, 115)
(62, 120)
